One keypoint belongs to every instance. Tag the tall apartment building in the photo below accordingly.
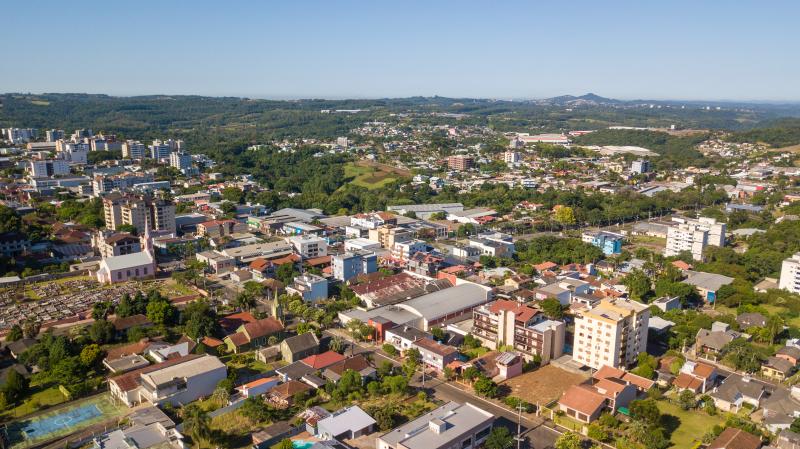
(160, 152)
(790, 274)
(511, 157)
(137, 210)
(106, 183)
(19, 135)
(611, 333)
(503, 323)
(53, 135)
(389, 235)
(180, 160)
(133, 149)
(74, 153)
(640, 166)
(460, 162)
(694, 235)
(47, 168)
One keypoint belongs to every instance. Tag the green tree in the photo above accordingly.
(499, 438)
(485, 387)
(284, 444)
(687, 400)
(14, 334)
(638, 284)
(101, 331)
(645, 411)
(161, 312)
(552, 308)
(100, 310)
(196, 423)
(569, 440)
(16, 386)
(90, 355)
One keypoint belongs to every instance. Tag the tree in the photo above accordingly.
(742, 355)
(161, 312)
(245, 300)
(16, 386)
(552, 308)
(284, 444)
(256, 410)
(199, 319)
(286, 273)
(90, 355)
(30, 328)
(795, 427)
(499, 438)
(384, 417)
(485, 387)
(395, 384)
(438, 333)
(411, 363)
(337, 344)
(687, 400)
(645, 411)
(101, 331)
(14, 334)
(100, 310)
(196, 423)
(565, 215)
(569, 440)
(638, 284)
(465, 230)
(597, 432)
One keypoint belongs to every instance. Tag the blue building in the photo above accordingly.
(352, 263)
(609, 242)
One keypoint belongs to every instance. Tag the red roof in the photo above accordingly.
(324, 360)
(545, 266)
(522, 313)
(583, 399)
(321, 260)
(230, 323)
(260, 328)
(260, 264)
(212, 342)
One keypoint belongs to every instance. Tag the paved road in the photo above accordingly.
(536, 434)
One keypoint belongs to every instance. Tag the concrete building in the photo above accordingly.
(404, 250)
(612, 333)
(160, 151)
(74, 153)
(128, 267)
(47, 168)
(389, 235)
(424, 211)
(52, 135)
(460, 162)
(309, 286)
(452, 425)
(180, 161)
(693, 235)
(136, 210)
(609, 242)
(640, 166)
(511, 157)
(309, 245)
(177, 381)
(504, 322)
(117, 244)
(790, 274)
(217, 261)
(133, 149)
(350, 264)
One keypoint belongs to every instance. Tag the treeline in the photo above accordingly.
(675, 151)
(779, 133)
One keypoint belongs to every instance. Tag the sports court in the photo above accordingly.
(63, 422)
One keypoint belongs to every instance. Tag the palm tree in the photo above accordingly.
(245, 301)
(196, 423)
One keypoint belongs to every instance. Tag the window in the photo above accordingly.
(483, 433)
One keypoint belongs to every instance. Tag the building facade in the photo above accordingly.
(612, 333)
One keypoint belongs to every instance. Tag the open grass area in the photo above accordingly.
(370, 176)
(44, 397)
(689, 425)
(235, 429)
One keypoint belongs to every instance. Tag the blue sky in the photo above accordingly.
(742, 50)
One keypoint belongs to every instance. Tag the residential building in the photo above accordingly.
(734, 438)
(707, 284)
(404, 250)
(609, 242)
(149, 428)
(309, 286)
(117, 244)
(176, 381)
(14, 243)
(390, 235)
(218, 262)
(694, 235)
(351, 264)
(612, 333)
(463, 426)
(253, 335)
(309, 245)
(347, 423)
(134, 150)
(460, 162)
(216, 228)
(640, 166)
(257, 387)
(697, 377)
(790, 274)
(47, 168)
(139, 211)
(711, 342)
(404, 337)
(777, 368)
(180, 161)
(74, 153)
(160, 151)
(735, 391)
(52, 135)
(434, 354)
(511, 157)
(283, 395)
(608, 389)
(503, 322)
(373, 220)
(357, 363)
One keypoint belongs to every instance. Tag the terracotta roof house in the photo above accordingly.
(789, 353)
(123, 324)
(582, 403)
(231, 323)
(357, 363)
(253, 335)
(733, 438)
(283, 395)
(134, 348)
(697, 377)
(641, 384)
(324, 360)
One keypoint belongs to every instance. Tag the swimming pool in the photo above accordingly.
(302, 444)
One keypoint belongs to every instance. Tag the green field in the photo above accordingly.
(44, 397)
(368, 177)
(690, 425)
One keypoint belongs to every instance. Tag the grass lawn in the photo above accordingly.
(43, 398)
(234, 429)
(691, 424)
(475, 352)
(368, 177)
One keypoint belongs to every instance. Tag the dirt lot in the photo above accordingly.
(543, 385)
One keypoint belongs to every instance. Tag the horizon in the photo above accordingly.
(363, 50)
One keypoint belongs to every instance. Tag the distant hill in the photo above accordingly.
(589, 99)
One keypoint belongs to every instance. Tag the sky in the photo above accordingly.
(691, 50)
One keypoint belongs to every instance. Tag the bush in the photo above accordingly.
(389, 349)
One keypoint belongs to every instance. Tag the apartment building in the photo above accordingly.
(180, 161)
(389, 235)
(404, 250)
(505, 322)
(694, 235)
(310, 287)
(511, 157)
(612, 333)
(116, 244)
(47, 168)
(108, 183)
(460, 162)
(309, 245)
(350, 264)
(609, 242)
(790, 274)
(133, 149)
(139, 211)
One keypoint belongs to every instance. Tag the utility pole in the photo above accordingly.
(519, 425)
